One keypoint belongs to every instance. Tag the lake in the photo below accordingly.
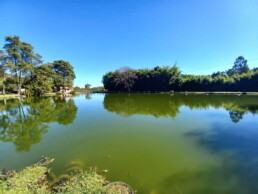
(157, 143)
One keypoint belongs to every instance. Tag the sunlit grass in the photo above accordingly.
(8, 96)
(38, 179)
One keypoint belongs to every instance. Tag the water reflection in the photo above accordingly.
(164, 105)
(198, 152)
(212, 180)
(88, 96)
(238, 147)
(23, 122)
(235, 144)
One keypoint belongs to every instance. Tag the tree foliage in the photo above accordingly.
(87, 86)
(21, 59)
(240, 66)
(156, 79)
(125, 78)
(41, 81)
(21, 67)
(64, 73)
(238, 78)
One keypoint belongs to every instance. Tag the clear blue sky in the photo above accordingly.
(97, 36)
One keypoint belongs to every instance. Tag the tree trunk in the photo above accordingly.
(4, 85)
(19, 83)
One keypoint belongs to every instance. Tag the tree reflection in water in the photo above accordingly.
(23, 122)
(235, 144)
(165, 105)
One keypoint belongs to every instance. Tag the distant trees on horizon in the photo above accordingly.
(238, 78)
(22, 68)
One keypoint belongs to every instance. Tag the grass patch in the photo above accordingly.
(8, 96)
(38, 179)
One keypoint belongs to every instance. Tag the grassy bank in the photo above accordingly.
(8, 96)
(51, 94)
(11, 96)
(38, 179)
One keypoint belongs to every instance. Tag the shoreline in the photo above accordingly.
(9, 96)
(182, 92)
(15, 96)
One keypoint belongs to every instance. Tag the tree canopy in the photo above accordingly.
(64, 73)
(21, 59)
(238, 78)
(21, 67)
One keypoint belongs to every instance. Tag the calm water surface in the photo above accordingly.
(158, 143)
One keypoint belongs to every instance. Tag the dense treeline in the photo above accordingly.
(238, 78)
(21, 69)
